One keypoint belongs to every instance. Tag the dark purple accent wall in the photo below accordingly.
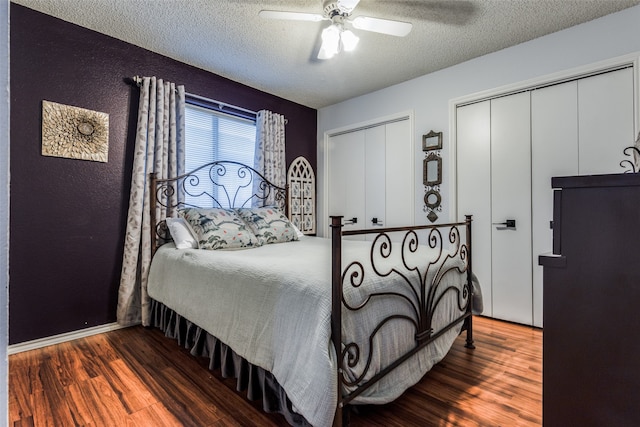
(68, 216)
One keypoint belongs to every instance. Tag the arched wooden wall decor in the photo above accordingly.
(302, 195)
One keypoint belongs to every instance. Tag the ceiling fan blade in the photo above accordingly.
(383, 26)
(291, 16)
(347, 5)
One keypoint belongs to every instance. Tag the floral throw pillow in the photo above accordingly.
(219, 228)
(269, 224)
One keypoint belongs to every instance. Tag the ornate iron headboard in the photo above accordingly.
(221, 184)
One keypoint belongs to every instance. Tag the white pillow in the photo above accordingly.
(181, 233)
(297, 230)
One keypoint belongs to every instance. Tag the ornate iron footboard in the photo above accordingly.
(423, 296)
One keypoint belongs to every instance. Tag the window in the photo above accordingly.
(211, 135)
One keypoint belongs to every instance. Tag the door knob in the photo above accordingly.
(376, 221)
(353, 220)
(509, 223)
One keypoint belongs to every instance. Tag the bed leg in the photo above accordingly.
(346, 416)
(338, 419)
(469, 320)
(469, 342)
(342, 417)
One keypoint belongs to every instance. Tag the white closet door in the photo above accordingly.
(399, 177)
(371, 176)
(579, 127)
(606, 120)
(511, 200)
(473, 164)
(346, 177)
(375, 196)
(554, 152)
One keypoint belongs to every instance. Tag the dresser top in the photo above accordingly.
(609, 180)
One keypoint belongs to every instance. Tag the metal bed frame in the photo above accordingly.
(422, 295)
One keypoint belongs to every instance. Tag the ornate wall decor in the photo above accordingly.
(432, 141)
(74, 133)
(432, 174)
(302, 195)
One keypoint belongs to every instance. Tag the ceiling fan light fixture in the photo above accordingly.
(330, 42)
(349, 40)
(335, 38)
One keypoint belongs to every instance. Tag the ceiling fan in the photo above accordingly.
(336, 37)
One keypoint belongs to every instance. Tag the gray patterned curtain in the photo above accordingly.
(270, 156)
(159, 148)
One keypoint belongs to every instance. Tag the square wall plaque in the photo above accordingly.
(74, 133)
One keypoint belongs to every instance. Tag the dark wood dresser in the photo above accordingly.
(591, 338)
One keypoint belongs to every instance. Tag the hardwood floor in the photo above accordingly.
(137, 377)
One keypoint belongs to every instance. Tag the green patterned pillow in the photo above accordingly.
(269, 224)
(219, 228)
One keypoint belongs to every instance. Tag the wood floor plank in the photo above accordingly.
(132, 391)
(71, 361)
(155, 415)
(20, 406)
(53, 385)
(105, 402)
(138, 377)
(33, 374)
(185, 390)
(25, 422)
(81, 403)
(41, 410)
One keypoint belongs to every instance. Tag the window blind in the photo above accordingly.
(210, 136)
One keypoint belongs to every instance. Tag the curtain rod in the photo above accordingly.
(138, 81)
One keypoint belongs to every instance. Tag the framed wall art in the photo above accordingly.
(432, 141)
(74, 133)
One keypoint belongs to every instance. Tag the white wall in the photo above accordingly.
(429, 95)
(4, 205)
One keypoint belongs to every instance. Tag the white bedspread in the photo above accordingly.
(272, 305)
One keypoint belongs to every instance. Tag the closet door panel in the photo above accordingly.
(554, 152)
(399, 178)
(511, 200)
(370, 175)
(473, 165)
(606, 120)
(375, 194)
(347, 177)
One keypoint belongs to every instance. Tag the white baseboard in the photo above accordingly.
(57, 339)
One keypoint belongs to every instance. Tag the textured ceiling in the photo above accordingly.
(228, 38)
